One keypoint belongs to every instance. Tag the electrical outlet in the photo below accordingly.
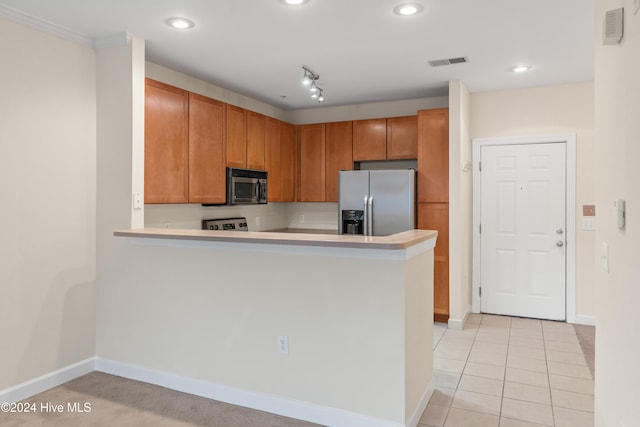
(137, 201)
(283, 344)
(301, 219)
(257, 220)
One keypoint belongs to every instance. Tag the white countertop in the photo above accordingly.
(402, 240)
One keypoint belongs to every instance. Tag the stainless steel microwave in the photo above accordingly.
(246, 186)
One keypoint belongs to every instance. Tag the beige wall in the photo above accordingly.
(546, 111)
(372, 110)
(460, 207)
(175, 78)
(47, 219)
(617, 96)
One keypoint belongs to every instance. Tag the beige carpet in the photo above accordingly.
(117, 401)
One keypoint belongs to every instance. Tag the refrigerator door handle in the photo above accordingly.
(365, 209)
(370, 209)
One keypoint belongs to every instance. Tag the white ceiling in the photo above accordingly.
(361, 49)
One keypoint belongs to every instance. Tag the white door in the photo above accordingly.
(522, 230)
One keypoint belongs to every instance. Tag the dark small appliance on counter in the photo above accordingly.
(225, 224)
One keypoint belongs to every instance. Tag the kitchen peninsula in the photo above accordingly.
(355, 314)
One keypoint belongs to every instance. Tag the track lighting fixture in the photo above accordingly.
(309, 80)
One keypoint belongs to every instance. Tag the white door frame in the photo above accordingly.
(570, 142)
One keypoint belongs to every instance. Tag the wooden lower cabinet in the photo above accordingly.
(435, 216)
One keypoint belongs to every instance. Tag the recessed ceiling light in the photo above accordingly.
(180, 23)
(295, 2)
(521, 68)
(408, 9)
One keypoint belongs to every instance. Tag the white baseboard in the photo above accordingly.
(417, 414)
(583, 319)
(45, 382)
(458, 324)
(261, 401)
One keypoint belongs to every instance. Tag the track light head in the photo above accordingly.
(309, 80)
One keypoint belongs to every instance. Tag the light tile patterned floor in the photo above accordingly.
(502, 371)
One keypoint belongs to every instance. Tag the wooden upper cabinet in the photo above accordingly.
(206, 150)
(402, 138)
(339, 149)
(287, 162)
(166, 147)
(311, 163)
(433, 155)
(370, 139)
(272, 159)
(255, 140)
(236, 136)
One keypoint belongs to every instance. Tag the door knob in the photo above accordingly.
(559, 243)
(559, 231)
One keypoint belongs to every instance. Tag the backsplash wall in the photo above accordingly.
(259, 218)
(323, 216)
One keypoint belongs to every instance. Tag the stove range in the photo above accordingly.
(225, 224)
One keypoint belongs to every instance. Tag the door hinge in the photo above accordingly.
(480, 166)
(480, 290)
(480, 228)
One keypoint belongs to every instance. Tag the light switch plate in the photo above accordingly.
(137, 201)
(589, 223)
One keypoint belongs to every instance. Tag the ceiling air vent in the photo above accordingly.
(449, 61)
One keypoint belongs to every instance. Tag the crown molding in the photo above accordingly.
(44, 25)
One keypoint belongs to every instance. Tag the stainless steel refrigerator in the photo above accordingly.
(376, 202)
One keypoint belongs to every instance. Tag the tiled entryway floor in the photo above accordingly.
(509, 372)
